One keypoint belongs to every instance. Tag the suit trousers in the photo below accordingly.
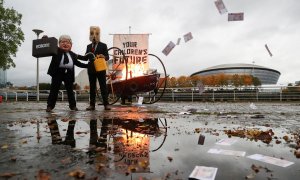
(63, 75)
(101, 76)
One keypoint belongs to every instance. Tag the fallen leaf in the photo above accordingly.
(297, 153)
(255, 168)
(77, 174)
(43, 175)
(99, 167)
(170, 158)
(13, 158)
(197, 130)
(7, 175)
(66, 160)
(286, 138)
(24, 141)
(250, 176)
(5, 146)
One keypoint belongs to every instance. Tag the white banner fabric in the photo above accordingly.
(135, 48)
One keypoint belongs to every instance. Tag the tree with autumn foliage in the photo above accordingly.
(171, 82)
(219, 80)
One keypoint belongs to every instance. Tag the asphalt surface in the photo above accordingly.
(157, 141)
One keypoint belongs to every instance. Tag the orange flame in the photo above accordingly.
(133, 70)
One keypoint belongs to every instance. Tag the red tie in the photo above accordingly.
(93, 48)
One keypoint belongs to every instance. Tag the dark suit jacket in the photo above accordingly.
(55, 61)
(101, 49)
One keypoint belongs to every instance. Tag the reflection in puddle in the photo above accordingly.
(119, 147)
(119, 144)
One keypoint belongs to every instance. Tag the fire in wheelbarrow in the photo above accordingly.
(151, 85)
(129, 72)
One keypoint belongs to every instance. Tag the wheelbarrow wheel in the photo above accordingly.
(155, 95)
(112, 98)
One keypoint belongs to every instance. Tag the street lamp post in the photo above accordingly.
(37, 32)
(253, 62)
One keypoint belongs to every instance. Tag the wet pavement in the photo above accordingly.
(158, 141)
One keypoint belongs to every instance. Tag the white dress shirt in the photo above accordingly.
(69, 65)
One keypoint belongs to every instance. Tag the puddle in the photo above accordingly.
(162, 148)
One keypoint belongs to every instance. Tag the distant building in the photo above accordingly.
(264, 74)
(3, 78)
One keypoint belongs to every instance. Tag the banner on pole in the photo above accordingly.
(135, 49)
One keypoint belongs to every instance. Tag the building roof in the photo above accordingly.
(236, 66)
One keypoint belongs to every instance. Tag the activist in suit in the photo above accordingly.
(62, 69)
(100, 49)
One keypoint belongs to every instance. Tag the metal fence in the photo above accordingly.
(271, 93)
(23, 95)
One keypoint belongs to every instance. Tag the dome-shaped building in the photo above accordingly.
(264, 74)
(82, 79)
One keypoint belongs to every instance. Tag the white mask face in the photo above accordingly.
(94, 34)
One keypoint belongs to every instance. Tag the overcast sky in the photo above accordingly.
(215, 40)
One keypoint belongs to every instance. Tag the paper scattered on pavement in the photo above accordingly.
(187, 37)
(227, 152)
(226, 142)
(168, 48)
(235, 16)
(252, 106)
(201, 139)
(204, 173)
(220, 6)
(271, 160)
(185, 113)
(140, 101)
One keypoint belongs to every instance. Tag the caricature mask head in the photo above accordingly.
(94, 34)
(65, 42)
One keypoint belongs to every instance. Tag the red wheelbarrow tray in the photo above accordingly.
(134, 85)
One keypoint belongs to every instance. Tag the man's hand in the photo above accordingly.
(100, 56)
(89, 56)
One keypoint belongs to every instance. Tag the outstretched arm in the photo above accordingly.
(80, 64)
(75, 58)
(85, 58)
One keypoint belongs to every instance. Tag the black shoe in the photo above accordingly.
(106, 107)
(74, 108)
(90, 108)
(49, 109)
